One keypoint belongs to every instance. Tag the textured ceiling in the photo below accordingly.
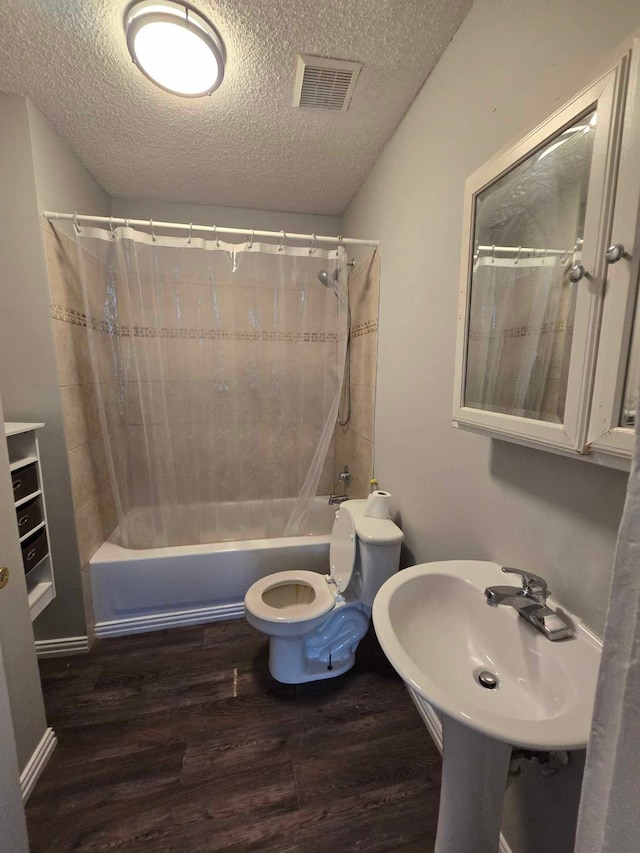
(244, 146)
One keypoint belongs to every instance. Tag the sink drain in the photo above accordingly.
(488, 680)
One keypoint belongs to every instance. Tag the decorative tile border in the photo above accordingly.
(220, 335)
(78, 318)
(364, 328)
(523, 331)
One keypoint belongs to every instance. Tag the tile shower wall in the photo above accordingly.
(354, 443)
(94, 510)
(238, 383)
(230, 373)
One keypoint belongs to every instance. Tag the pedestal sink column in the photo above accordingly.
(474, 777)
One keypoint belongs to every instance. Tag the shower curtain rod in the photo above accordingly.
(211, 229)
(515, 249)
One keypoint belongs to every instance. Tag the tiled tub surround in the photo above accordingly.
(234, 390)
(354, 443)
(94, 510)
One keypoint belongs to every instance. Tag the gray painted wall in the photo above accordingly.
(20, 270)
(62, 183)
(510, 65)
(233, 217)
(40, 172)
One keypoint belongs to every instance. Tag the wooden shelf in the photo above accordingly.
(11, 428)
(22, 463)
(27, 498)
(41, 595)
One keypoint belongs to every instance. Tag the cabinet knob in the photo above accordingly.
(614, 253)
(577, 272)
(4, 576)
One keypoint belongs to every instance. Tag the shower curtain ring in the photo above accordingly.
(281, 243)
(75, 222)
(189, 237)
(339, 241)
(112, 227)
(493, 254)
(311, 242)
(517, 255)
(250, 246)
(153, 235)
(215, 236)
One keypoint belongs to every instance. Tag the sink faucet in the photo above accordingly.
(530, 600)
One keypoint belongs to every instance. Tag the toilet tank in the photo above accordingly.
(377, 554)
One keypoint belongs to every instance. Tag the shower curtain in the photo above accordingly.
(219, 368)
(608, 818)
(519, 337)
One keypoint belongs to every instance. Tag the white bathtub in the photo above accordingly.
(146, 590)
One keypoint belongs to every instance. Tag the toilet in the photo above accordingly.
(315, 621)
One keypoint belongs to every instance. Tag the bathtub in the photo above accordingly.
(150, 589)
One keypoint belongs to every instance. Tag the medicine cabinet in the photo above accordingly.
(548, 351)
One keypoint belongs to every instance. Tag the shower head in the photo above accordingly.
(328, 279)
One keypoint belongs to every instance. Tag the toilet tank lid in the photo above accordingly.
(373, 531)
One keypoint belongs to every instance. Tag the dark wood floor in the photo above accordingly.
(181, 741)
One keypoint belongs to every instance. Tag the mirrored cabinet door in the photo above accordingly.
(528, 236)
(536, 221)
(617, 380)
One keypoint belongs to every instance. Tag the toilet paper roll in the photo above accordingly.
(378, 505)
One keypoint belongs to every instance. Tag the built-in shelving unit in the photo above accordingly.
(31, 513)
(22, 463)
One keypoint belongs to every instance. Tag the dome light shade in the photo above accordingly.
(175, 47)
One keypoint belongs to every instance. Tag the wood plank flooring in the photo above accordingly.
(181, 741)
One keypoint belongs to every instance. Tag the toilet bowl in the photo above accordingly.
(316, 621)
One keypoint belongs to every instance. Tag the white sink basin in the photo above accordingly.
(437, 630)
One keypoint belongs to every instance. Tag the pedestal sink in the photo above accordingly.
(435, 627)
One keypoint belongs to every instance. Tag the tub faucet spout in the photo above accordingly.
(337, 499)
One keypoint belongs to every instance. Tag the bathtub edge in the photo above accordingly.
(162, 621)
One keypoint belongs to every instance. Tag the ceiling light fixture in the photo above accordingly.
(175, 47)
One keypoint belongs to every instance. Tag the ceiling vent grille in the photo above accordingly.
(324, 84)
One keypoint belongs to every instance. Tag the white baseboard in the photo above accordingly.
(62, 646)
(434, 727)
(159, 621)
(37, 763)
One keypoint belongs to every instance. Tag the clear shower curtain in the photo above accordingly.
(519, 334)
(219, 368)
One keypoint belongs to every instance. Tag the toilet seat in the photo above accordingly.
(324, 597)
(306, 596)
(342, 549)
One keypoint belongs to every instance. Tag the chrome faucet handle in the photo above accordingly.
(531, 584)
